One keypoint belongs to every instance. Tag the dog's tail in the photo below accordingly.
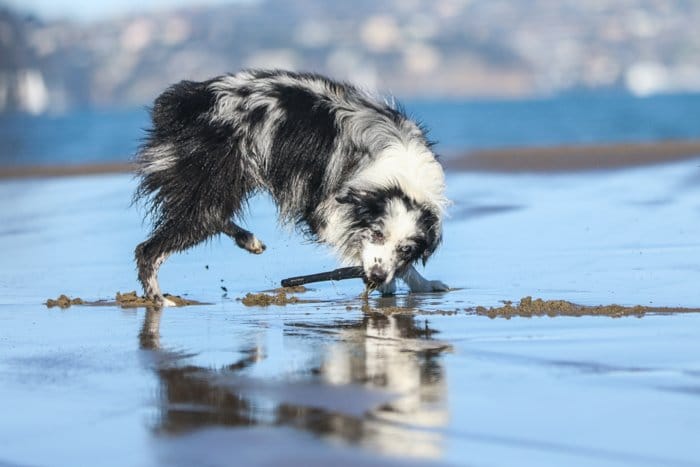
(189, 166)
(179, 117)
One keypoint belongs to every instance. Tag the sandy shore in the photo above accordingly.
(43, 171)
(516, 159)
(574, 158)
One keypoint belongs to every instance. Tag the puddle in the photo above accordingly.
(356, 393)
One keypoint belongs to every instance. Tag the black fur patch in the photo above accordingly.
(430, 225)
(368, 206)
(256, 116)
(301, 149)
(181, 106)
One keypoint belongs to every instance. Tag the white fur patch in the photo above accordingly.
(152, 282)
(413, 168)
(159, 158)
(227, 103)
(400, 224)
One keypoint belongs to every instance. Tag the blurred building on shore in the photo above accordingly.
(409, 48)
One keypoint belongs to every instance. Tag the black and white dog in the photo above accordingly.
(355, 173)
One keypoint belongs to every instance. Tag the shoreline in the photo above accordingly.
(574, 158)
(536, 159)
(68, 170)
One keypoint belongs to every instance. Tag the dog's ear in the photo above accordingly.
(434, 238)
(427, 254)
(350, 196)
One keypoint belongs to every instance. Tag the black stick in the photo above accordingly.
(335, 275)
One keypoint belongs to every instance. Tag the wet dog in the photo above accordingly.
(352, 171)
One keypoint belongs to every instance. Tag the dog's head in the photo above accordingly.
(390, 230)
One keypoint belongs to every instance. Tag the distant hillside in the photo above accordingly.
(408, 48)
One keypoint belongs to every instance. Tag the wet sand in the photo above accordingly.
(123, 300)
(423, 379)
(50, 171)
(528, 307)
(575, 158)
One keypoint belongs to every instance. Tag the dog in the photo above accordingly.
(350, 170)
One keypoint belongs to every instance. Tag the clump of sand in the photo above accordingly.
(280, 296)
(292, 289)
(133, 300)
(529, 307)
(64, 301)
(263, 299)
(124, 300)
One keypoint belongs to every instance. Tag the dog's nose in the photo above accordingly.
(377, 275)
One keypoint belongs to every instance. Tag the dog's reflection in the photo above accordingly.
(394, 353)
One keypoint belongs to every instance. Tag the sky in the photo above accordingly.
(91, 10)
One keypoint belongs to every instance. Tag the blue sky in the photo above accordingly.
(88, 10)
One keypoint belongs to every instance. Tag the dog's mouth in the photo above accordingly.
(377, 277)
(370, 286)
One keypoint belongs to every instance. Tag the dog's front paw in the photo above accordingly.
(439, 286)
(429, 286)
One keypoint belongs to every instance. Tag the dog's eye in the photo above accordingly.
(377, 236)
(406, 249)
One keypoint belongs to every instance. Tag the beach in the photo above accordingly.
(422, 379)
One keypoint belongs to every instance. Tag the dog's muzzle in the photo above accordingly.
(377, 275)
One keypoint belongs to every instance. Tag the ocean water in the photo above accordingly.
(457, 125)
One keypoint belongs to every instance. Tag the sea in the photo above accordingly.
(113, 135)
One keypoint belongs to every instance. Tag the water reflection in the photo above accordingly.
(380, 384)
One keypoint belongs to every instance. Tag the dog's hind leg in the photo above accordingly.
(244, 239)
(151, 254)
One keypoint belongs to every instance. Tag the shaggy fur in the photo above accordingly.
(353, 172)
